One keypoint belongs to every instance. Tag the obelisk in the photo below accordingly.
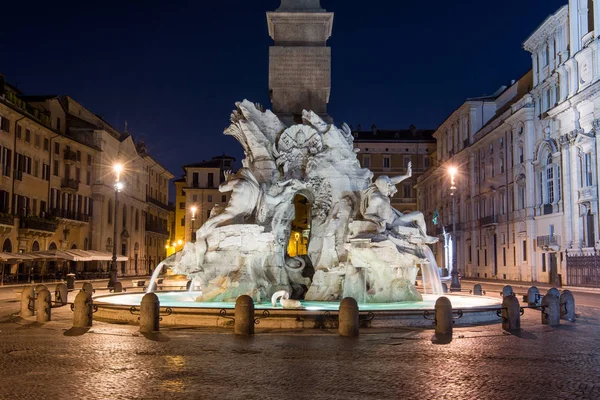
(299, 60)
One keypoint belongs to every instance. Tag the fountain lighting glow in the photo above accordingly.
(188, 300)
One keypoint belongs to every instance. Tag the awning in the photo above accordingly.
(13, 258)
(73, 255)
(103, 255)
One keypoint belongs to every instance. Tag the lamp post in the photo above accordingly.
(193, 210)
(117, 168)
(454, 283)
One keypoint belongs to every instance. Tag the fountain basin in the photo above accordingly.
(181, 309)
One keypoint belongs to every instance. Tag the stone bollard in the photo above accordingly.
(507, 291)
(43, 305)
(477, 291)
(443, 317)
(61, 294)
(348, 318)
(82, 310)
(551, 310)
(554, 292)
(511, 313)
(244, 316)
(118, 287)
(567, 306)
(444, 288)
(533, 297)
(70, 281)
(39, 288)
(149, 313)
(88, 288)
(27, 296)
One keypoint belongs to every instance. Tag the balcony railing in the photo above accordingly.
(489, 220)
(548, 240)
(7, 219)
(158, 203)
(38, 224)
(70, 184)
(70, 155)
(68, 214)
(157, 228)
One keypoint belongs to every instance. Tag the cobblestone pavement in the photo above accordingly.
(116, 362)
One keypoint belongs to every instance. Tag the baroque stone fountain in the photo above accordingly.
(359, 245)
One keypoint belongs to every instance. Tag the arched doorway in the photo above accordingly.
(299, 232)
(7, 246)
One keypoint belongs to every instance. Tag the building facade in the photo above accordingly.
(57, 185)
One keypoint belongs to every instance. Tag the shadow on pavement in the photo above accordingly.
(76, 331)
(156, 337)
(524, 335)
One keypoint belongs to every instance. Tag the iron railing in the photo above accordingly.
(548, 240)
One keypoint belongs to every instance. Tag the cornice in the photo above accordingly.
(546, 29)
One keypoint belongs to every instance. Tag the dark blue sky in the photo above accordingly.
(175, 69)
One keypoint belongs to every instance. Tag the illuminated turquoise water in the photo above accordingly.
(188, 299)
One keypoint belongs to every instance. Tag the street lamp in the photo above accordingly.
(117, 169)
(454, 283)
(193, 210)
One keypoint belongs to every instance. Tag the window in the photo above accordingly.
(588, 170)
(78, 156)
(504, 256)
(55, 167)
(137, 220)
(211, 180)
(407, 190)
(19, 134)
(483, 171)
(491, 149)
(27, 136)
(36, 168)
(182, 206)
(543, 262)
(58, 124)
(501, 142)
(110, 212)
(4, 124)
(426, 162)
(367, 160)
(195, 179)
(46, 172)
(183, 221)
(550, 184)
(89, 159)
(224, 198)
(78, 174)
(57, 148)
(88, 177)
(521, 197)
(521, 155)
(182, 192)
(46, 144)
(524, 250)
(406, 161)
(501, 165)
(386, 162)
(210, 198)
(37, 140)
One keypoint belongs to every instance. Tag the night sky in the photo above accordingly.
(174, 70)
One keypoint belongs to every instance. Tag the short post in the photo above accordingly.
(27, 297)
(533, 297)
(70, 281)
(348, 318)
(88, 288)
(511, 313)
(82, 310)
(149, 313)
(443, 317)
(477, 291)
(43, 305)
(118, 288)
(567, 306)
(61, 294)
(444, 288)
(554, 292)
(507, 291)
(244, 316)
(550, 310)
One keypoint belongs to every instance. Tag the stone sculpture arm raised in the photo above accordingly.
(396, 180)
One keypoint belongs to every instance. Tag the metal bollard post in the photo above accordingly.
(554, 292)
(507, 291)
(551, 310)
(348, 318)
(88, 288)
(244, 316)
(533, 297)
(61, 294)
(43, 305)
(82, 310)
(150, 313)
(444, 288)
(511, 313)
(443, 317)
(477, 291)
(567, 306)
(27, 296)
(118, 287)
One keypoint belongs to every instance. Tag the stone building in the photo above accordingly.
(201, 188)
(57, 184)
(388, 152)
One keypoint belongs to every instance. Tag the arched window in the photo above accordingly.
(549, 180)
(110, 212)
(52, 246)
(73, 246)
(7, 246)
(35, 246)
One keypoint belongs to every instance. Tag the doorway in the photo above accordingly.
(300, 228)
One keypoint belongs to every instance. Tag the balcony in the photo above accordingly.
(157, 228)
(69, 185)
(489, 220)
(158, 203)
(7, 219)
(37, 226)
(548, 241)
(70, 156)
(67, 214)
